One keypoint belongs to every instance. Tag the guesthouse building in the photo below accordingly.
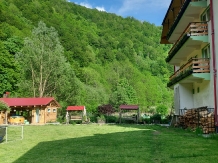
(191, 26)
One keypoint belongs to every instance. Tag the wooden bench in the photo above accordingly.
(76, 118)
(129, 118)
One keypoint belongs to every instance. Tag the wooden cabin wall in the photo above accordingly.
(41, 115)
(46, 114)
(33, 115)
(50, 114)
(2, 117)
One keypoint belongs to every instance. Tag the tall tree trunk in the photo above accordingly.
(41, 82)
(33, 81)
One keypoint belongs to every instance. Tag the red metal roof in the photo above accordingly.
(129, 107)
(75, 108)
(28, 101)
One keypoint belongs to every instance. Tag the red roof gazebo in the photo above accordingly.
(77, 108)
(129, 107)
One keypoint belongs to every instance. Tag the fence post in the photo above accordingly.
(6, 134)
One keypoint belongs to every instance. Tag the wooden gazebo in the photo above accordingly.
(76, 109)
(129, 107)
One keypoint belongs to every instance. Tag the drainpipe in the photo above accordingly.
(214, 61)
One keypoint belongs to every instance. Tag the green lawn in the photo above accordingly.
(107, 143)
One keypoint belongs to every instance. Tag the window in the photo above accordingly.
(206, 15)
(49, 110)
(198, 89)
(206, 52)
(54, 110)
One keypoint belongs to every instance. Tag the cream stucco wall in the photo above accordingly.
(186, 96)
(183, 97)
(203, 94)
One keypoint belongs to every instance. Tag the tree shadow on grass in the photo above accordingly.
(130, 146)
(141, 144)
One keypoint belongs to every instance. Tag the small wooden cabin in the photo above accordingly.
(34, 110)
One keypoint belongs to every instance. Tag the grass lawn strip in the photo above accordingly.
(108, 143)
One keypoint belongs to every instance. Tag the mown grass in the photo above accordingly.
(107, 143)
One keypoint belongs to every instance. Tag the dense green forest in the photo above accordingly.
(81, 56)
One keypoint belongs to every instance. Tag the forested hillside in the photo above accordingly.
(93, 57)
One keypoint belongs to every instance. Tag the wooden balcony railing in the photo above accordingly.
(196, 65)
(197, 0)
(184, 5)
(193, 29)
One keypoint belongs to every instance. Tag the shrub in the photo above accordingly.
(4, 106)
(60, 119)
(156, 118)
(101, 118)
(146, 120)
(162, 109)
(164, 121)
(75, 122)
(199, 131)
(106, 109)
(93, 118)
(111, 119)
(127, 121)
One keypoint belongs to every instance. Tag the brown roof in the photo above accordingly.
(169, 18)
(129, 107)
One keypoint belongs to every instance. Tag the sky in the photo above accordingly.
(152, 11)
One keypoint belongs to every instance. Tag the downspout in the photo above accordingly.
(214, 61)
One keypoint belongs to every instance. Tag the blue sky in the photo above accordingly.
(152, 11)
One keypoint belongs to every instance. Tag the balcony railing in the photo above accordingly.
(193, 29)
(194, 65)
(178, 17)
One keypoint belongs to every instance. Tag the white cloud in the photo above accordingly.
(100, 8)
(87, 5)
(140, 5)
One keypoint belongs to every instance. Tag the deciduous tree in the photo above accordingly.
(43, 62)
(9, 71)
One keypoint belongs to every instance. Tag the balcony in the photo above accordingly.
(189, 12)
(194, 36)
(195, 70)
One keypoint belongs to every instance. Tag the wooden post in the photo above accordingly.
(6, 134)
(45, 115)
(138, 116)
(120, 115)
(6, 117)
(22, 132)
